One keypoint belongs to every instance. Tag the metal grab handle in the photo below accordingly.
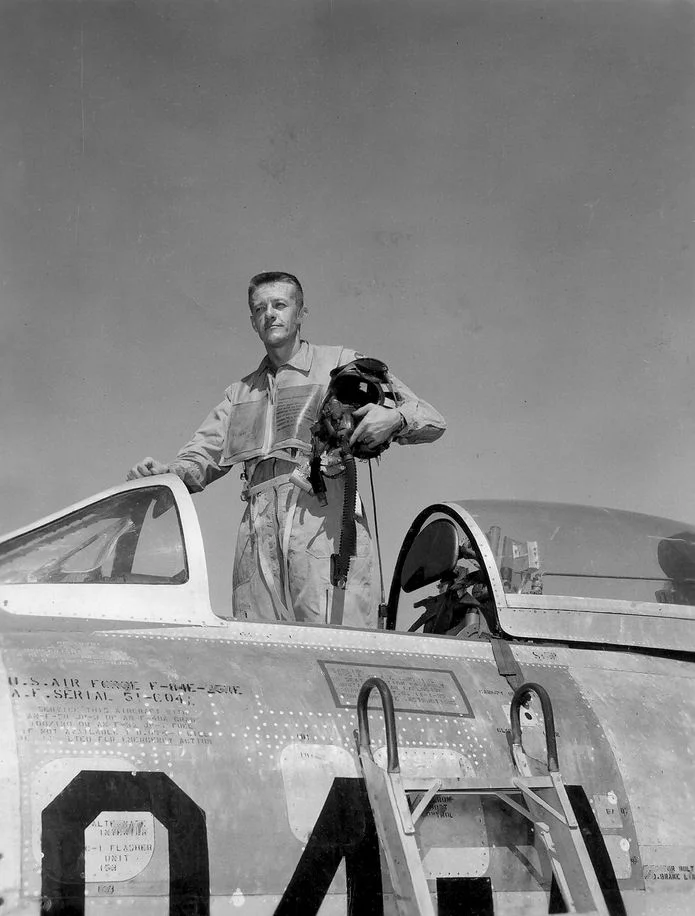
(389, 721)
(549, 718)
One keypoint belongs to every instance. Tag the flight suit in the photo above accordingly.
(286, 538)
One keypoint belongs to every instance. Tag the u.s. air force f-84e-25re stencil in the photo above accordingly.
(516, 739)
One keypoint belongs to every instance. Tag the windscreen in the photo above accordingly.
(588, 552)
(129, 538)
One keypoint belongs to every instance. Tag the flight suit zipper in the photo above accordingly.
(270, 413)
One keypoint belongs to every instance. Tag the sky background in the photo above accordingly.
(493, 196)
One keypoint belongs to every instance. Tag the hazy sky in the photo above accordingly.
(494, 197)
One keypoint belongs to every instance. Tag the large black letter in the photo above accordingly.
(345, 829)
(64, 820)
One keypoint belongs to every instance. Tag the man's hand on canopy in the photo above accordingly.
(148, 467)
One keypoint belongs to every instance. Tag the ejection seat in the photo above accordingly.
(442, 553)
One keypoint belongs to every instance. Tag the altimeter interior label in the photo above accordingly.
(118, 845)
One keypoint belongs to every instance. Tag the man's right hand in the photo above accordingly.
(148, 467)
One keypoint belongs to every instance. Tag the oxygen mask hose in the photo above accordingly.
(340, 562)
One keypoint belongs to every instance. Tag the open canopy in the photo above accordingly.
(557, 571)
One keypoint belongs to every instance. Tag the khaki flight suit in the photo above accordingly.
(286, 538)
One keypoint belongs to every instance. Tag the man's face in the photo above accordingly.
(275, 315)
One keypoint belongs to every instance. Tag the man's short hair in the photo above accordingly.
(276, 276)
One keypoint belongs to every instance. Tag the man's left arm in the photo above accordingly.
(421, 422)
(417, 420)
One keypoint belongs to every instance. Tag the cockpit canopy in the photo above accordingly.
(132, 554)
(557, 571)
(563, 549)
(132, 537)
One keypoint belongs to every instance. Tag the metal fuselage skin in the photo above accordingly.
(172, 768)
(213, 769)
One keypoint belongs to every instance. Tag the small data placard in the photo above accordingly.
(429, 690)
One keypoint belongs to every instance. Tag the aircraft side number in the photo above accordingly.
(344, 830)
(64, 820)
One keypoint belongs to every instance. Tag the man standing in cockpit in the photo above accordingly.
(286, 537)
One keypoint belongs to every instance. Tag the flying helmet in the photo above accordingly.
(363, 381)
